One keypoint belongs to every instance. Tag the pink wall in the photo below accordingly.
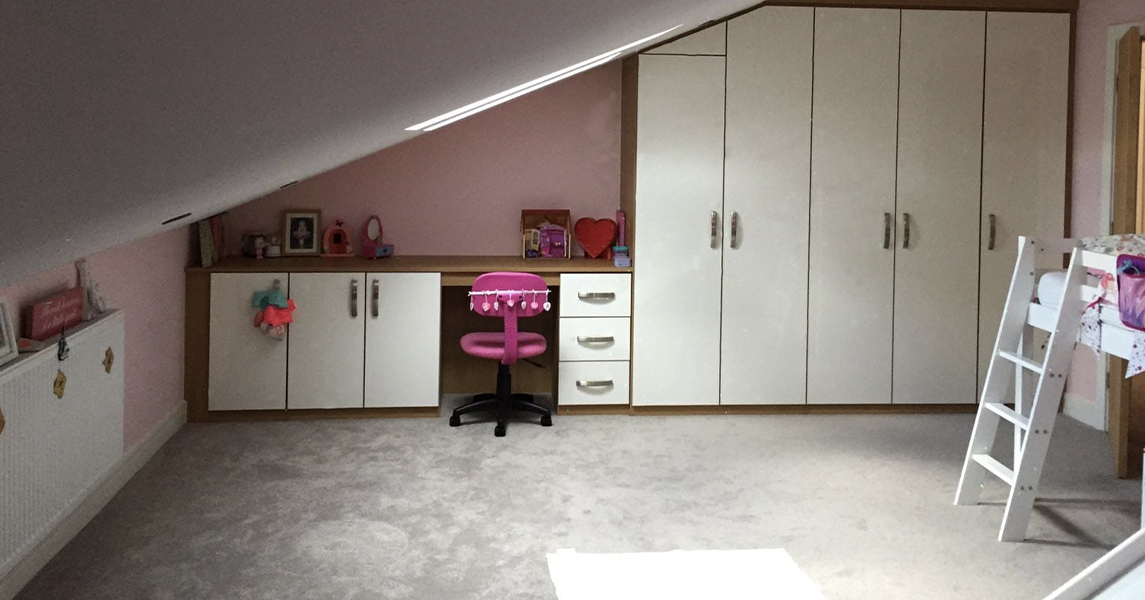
(145, 278)
(1094, 18)
(460, 189)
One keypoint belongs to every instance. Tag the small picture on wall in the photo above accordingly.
(9, 348)
(301, 232)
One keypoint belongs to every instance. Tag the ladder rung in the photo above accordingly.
(1022, 361)
(1009, 414)
(1000, 470)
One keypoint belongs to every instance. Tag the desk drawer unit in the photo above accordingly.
(590, 383)
(596, 295)
(595, 339)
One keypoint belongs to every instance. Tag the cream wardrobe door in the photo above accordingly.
(1023, 150)
(327, 341)
(766, 195)
(852, 201)
(939, 170)
(679, 195)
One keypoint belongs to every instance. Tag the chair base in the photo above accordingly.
(501, 403)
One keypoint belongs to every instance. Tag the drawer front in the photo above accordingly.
(596, 295)
(594, 339)
(587, 383)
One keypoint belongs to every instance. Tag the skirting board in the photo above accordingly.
(73, 523)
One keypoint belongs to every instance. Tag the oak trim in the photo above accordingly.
(196, 343)
(231, 416)
(806, 409)
(594, 409)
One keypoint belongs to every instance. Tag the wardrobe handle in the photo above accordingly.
(374, 291)
(582, 339)
(588, 384)
(735, 230)
(715, 229)
(993, 231)
(905, 229)
(887, 218)
(354, 298)
(596, 295)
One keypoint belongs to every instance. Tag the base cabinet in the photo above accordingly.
(358, 340)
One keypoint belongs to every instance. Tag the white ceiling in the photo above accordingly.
(117, 115)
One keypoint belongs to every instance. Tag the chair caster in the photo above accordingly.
(499, 430)
(454, 421)
(546, 421)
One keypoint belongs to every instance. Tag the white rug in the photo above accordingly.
(681, 575)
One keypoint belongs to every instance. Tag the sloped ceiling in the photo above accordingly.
(117, 115)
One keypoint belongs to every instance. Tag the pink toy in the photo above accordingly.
(372, 246)
(273, 320)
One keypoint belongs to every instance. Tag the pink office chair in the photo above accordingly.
(509, 296)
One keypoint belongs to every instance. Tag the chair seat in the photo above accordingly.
(491, 345)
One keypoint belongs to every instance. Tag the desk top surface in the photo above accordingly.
(412, 264)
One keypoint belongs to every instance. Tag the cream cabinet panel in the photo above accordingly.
(403, 339)
(327, 340)
(1023, 150)
(247, 369)
(678, 245)
(939, 169)
(852, 194)
(710, 41)
(766, 201)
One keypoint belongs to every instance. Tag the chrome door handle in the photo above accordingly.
(735, 230)
(591, 384)
(604, 339)
(354, 298)
(715, 229)
(374, 292)
(905, 229)
(887, 218)
(993, 231)
(596, 295)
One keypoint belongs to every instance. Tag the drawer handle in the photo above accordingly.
(594, 384)
(588, 339)
(596, 295)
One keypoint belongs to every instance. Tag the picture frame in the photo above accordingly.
(9, 340)
(301, 232)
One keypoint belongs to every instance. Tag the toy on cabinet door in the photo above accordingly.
(336, 241)
(372, 245)
(275, 311)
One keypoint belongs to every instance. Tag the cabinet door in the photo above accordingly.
(767, 192)
(939, 170)
(247, 369)
(1023, 150)
(403, 339)
(327, 340)
(852, 189)
(679, 197)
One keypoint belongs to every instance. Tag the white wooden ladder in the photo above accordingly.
(1032, 427)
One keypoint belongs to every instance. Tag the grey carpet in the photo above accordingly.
(412, 509)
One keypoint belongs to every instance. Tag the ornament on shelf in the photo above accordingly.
(336, 241)
(596, 236)
(372, 244)
(96, 305)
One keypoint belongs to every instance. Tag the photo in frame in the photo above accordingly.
(301, 232)
(9, 341)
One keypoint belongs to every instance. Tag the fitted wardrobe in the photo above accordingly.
(827, 201)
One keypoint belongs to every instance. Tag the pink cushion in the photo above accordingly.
(491, 345)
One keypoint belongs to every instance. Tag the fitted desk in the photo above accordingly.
(416, 304)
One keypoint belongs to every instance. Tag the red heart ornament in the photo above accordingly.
(595, 236)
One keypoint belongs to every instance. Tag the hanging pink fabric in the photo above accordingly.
(1131, 290)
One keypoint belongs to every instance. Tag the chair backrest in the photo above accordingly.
(509, 296)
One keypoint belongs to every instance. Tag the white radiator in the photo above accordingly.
(54, 451)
